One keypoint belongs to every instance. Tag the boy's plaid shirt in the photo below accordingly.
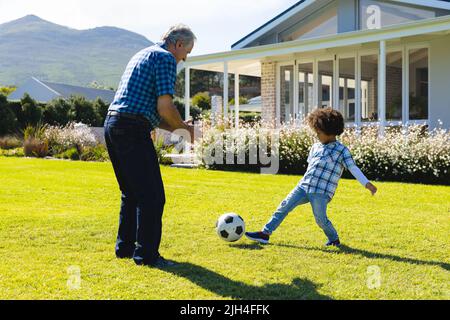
(326, 163)
(151, 73)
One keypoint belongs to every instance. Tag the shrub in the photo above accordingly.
(36, 131)
(194, 111)
(419, 156)
(71, 154)
(73, 135)
(202, 100)
(162, 150)
(82, 110)
(10, 142)
(16, 107)
(35, 144)
(236, 143)
(95, 153)
(7, 90)
(248, 117)
(413, 156)
(31, 112)
(101, 109)
(34, 147)
(242, 100)
(57, 112)
(8, 120)
(17, 152)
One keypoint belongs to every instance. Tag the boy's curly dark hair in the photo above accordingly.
(327, 120)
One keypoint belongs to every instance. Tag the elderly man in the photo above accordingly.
(143, 102)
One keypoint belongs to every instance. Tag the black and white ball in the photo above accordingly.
(230, 227)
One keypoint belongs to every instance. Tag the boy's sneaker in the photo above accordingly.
(335, 243)
(259, 236)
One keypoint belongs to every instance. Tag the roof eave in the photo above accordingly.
(305, 3)
(271, 23)
(343, 39)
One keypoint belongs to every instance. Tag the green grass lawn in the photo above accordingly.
(59, 215)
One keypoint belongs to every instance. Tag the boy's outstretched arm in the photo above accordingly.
(351, 166)
(356, 172)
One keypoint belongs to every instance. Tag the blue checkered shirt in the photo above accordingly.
(151, 73)
(326, 163)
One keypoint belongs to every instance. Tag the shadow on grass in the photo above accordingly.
(225, 287)
(372, 255)
(255, 246)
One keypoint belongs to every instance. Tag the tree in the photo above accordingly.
(212, 82)
(82, 110)
(202, 100)
(242, 100)
(57, 112)
(94, 84)
(101, 109)
(194, 111)
(31, 113)
(8, 120)
(7, 90)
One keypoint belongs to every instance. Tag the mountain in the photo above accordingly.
(31, 46)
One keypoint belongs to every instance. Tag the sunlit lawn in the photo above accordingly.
(58, 216)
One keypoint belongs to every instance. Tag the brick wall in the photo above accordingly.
(268, 92)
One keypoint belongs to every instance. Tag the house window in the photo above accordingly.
(325, 84)
(347, 88)
(305, 89)
(369, 88)
(287, 93)
(418, 84)
(322, 23)
(394, 86)
(378, 14)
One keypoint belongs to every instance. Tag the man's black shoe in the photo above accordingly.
(162, 263)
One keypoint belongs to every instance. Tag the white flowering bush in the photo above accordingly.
(73, 135)
(226, 148)
(410, 155)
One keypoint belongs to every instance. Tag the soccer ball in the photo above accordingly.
(230, 227)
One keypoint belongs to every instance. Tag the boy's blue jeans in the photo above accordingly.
(298, 196)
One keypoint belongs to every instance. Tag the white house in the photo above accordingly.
(377, 61)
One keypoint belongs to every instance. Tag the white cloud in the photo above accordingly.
(216, 23)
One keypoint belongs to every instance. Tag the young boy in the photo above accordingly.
(326, 162)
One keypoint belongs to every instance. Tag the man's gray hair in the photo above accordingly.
(179, 32)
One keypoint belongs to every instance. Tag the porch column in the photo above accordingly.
(225, 89)
(187, 93)
(236, 99)
(382, 87)
(358, 97)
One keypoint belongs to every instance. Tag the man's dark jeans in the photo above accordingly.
(136, 166)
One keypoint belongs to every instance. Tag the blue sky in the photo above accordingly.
(216, 23)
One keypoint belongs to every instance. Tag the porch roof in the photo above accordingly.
(247, 61)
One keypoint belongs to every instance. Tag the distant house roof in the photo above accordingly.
(253, 105)
(300, 5)
(43, 91)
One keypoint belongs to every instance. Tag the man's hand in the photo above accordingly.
(371, 188)
(171, 118)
